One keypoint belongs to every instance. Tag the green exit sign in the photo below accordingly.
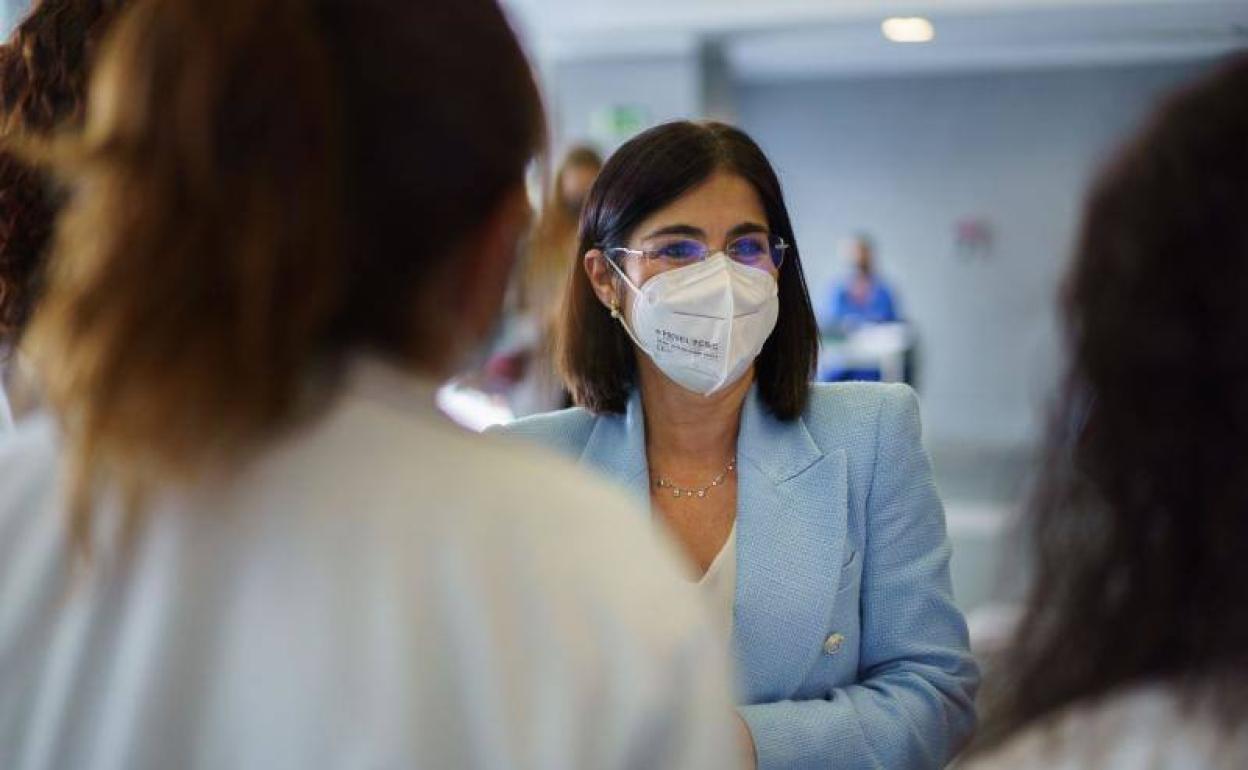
(617, 123)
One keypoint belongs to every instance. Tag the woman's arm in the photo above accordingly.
(913, 706)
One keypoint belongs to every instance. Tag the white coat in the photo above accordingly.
(377, 589)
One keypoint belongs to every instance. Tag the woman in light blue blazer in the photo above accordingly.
(809, 511)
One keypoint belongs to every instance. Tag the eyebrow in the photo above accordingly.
(745, 228)
(690, 230)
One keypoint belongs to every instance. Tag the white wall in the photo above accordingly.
(905, 158)
(11, 12)
(664, 86)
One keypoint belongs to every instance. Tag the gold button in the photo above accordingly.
(833, 645)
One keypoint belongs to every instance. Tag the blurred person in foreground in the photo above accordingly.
(43, 83)
(1133, 651)
(248, 539)
(809, 510)
(522, 366)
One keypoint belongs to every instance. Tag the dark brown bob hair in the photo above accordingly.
(648, 172)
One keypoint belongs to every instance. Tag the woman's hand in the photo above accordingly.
(746, 739)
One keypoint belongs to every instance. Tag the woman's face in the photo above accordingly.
(718, 212)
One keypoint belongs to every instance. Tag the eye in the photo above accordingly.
(680, 251)
(750, 249)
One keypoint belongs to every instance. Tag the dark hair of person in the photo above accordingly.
(648, 172)
(43, 84)
(1139, 521)
(263, 188)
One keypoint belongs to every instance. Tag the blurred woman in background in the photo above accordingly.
(289, 219)
(552, 249)
(522, 366)
(43, 85)
(1133, 652)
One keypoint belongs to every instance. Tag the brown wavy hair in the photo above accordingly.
(1139, 522)
(262, 188)
(43, 85)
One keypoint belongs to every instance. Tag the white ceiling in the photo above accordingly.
(770, 39)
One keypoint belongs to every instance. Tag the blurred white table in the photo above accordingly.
(874, 346)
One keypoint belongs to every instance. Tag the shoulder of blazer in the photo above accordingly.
(565, 431)
(855, 413)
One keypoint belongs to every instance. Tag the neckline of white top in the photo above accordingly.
(377, 378)
(717, 564)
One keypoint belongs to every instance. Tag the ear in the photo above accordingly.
(602, 278)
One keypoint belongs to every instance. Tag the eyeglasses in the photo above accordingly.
(754, 250)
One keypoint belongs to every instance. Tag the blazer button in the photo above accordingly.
(833, 644)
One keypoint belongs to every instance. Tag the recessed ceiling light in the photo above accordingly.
(908, 29)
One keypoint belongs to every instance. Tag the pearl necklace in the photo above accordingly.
(662, 483)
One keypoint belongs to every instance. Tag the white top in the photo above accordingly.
(17, 392)
(1145, 728)
(378, 590)
(6, 411)
(719, 585)
(8, 367)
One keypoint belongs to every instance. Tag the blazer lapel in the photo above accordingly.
(791, 524)
(617, 449)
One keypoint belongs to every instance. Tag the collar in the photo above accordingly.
(374, 378)
(781, 450)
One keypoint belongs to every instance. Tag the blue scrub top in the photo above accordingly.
(848, 313)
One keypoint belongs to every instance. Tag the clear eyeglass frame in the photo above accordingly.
(757, 250)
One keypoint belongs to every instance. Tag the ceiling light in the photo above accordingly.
(908, 29)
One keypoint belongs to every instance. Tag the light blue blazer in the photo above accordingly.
(850, 650)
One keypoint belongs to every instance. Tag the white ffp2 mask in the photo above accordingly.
(705, 323)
